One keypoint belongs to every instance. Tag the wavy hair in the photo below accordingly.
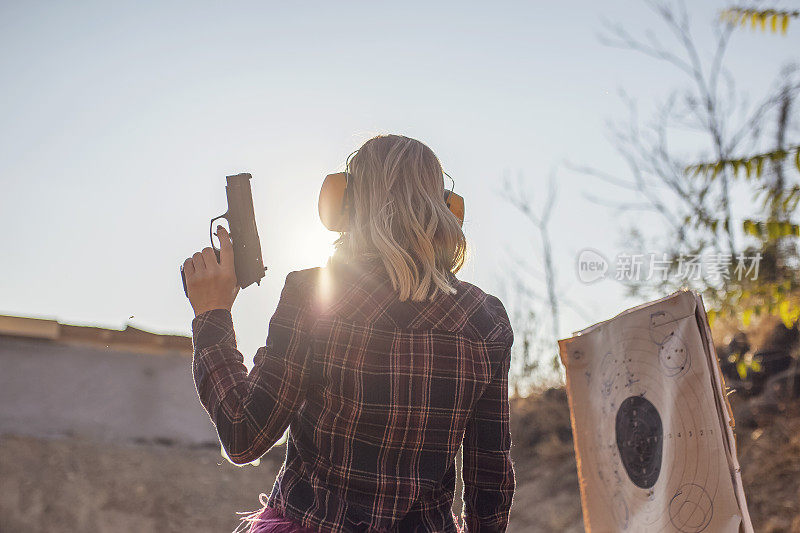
(398, 214)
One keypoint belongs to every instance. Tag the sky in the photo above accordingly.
(119, 122)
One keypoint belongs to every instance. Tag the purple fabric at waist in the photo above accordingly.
(272, 521)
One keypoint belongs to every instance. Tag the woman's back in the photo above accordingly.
(382, 364)
(391, 388)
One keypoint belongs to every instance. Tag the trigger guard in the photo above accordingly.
(211, 233)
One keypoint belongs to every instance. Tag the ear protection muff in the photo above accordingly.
(455, 203)
(335, 199)
(334, 204)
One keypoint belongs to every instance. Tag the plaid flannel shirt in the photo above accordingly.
(378, 394)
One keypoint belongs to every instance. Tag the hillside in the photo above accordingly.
(82, 485)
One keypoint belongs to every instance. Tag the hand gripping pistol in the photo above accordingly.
(242, 221)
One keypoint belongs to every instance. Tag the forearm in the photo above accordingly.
(222, 383)
(251, 411)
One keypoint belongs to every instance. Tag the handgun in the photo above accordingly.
(241, 218)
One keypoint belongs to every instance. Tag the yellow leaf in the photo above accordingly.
(741, 369)
(784, 311)
(747, 315)
(756, 17)
(785, 24)
(774, 23)
(728, 15)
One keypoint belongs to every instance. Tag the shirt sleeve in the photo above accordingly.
(251, 412)
(487, 471)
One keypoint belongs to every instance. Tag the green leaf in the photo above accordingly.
(778, 155)
(754, 228)
(759, 165)
(717, 169)
(797, 158)
(773, 230)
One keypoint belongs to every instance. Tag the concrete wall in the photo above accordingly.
(48, 388)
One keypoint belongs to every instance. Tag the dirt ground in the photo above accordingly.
(75, 485)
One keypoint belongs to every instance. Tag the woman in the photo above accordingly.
(381, 364)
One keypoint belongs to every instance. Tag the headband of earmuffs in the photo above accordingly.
(335, 201)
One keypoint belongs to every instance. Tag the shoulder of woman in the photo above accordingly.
(300, 284)
(305, 277)
(488, 314)
(503, 332)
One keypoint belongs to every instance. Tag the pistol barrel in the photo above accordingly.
(244, 233)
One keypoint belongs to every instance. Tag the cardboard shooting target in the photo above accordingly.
(652, 427)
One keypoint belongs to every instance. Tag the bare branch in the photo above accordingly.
(604, 176)
(620, 38)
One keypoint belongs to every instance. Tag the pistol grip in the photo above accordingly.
(183, 279)
(183, 276)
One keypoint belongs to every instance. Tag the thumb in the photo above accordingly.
(225, 247)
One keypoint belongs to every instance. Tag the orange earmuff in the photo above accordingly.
(455, 203)
(334, 208)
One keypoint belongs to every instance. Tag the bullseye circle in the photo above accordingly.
(640, 440)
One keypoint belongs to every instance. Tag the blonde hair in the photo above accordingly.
(399, 215)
